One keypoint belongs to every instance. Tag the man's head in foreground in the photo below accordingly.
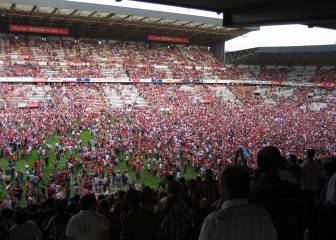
(234, 183)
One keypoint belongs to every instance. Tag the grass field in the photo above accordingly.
(147, 179)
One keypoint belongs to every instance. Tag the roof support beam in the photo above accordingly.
(93, 13)
(71, 14)
(54, 11)
(33, 10)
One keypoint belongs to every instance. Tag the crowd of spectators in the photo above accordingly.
(279, 74)
(89, 58)
(174, 133)
(244, 188)
(280, 199)
(324, 76)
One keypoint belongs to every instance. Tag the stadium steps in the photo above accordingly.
(122, 95)
(225, 93)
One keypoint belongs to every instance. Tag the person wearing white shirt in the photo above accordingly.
(331, 190)
(237, 219)
(87, 224)
(149, 167)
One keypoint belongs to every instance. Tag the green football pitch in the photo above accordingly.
(146, 179)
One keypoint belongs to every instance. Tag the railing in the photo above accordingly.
(165, 81)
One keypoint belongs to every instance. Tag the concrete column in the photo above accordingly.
(218, 49)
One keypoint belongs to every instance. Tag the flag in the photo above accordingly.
(281, 120)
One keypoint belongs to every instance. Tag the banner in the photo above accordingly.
(83, 80)
(38, 29)
(157, 81)
(276, 82)
(158, 38)
(146, 80)
(325, 84)
(110, 80)
(161, 81)
(29, 105)
(39, 80)
(172, 81)
(33, 105)
(69, 80)
(56, 80)
(212, 81)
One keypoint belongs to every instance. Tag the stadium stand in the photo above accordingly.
(110, 129)
(86, 58)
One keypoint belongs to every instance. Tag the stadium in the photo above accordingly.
(144, 113)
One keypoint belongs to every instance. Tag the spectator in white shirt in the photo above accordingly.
(331, 190)
(237, 220)
(87, 224)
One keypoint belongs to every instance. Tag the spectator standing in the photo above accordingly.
(56, 227)
(176, 217)
(294, 168)
(23, 228)
(87, 224)
(6, 217)
(281, 199)
(284, 173)
(209, 189)
(139, 222)
(4, 233)
(237, 219)
(310, 185)
(326, 211)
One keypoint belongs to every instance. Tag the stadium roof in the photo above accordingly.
(263, 12)
(298, 49)
(114, 22)
(284, 56)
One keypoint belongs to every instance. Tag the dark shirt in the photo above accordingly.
(44, 218)
(176, 219)
(140, 223)
(210, 192)
(282, 201)
(57, 226)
